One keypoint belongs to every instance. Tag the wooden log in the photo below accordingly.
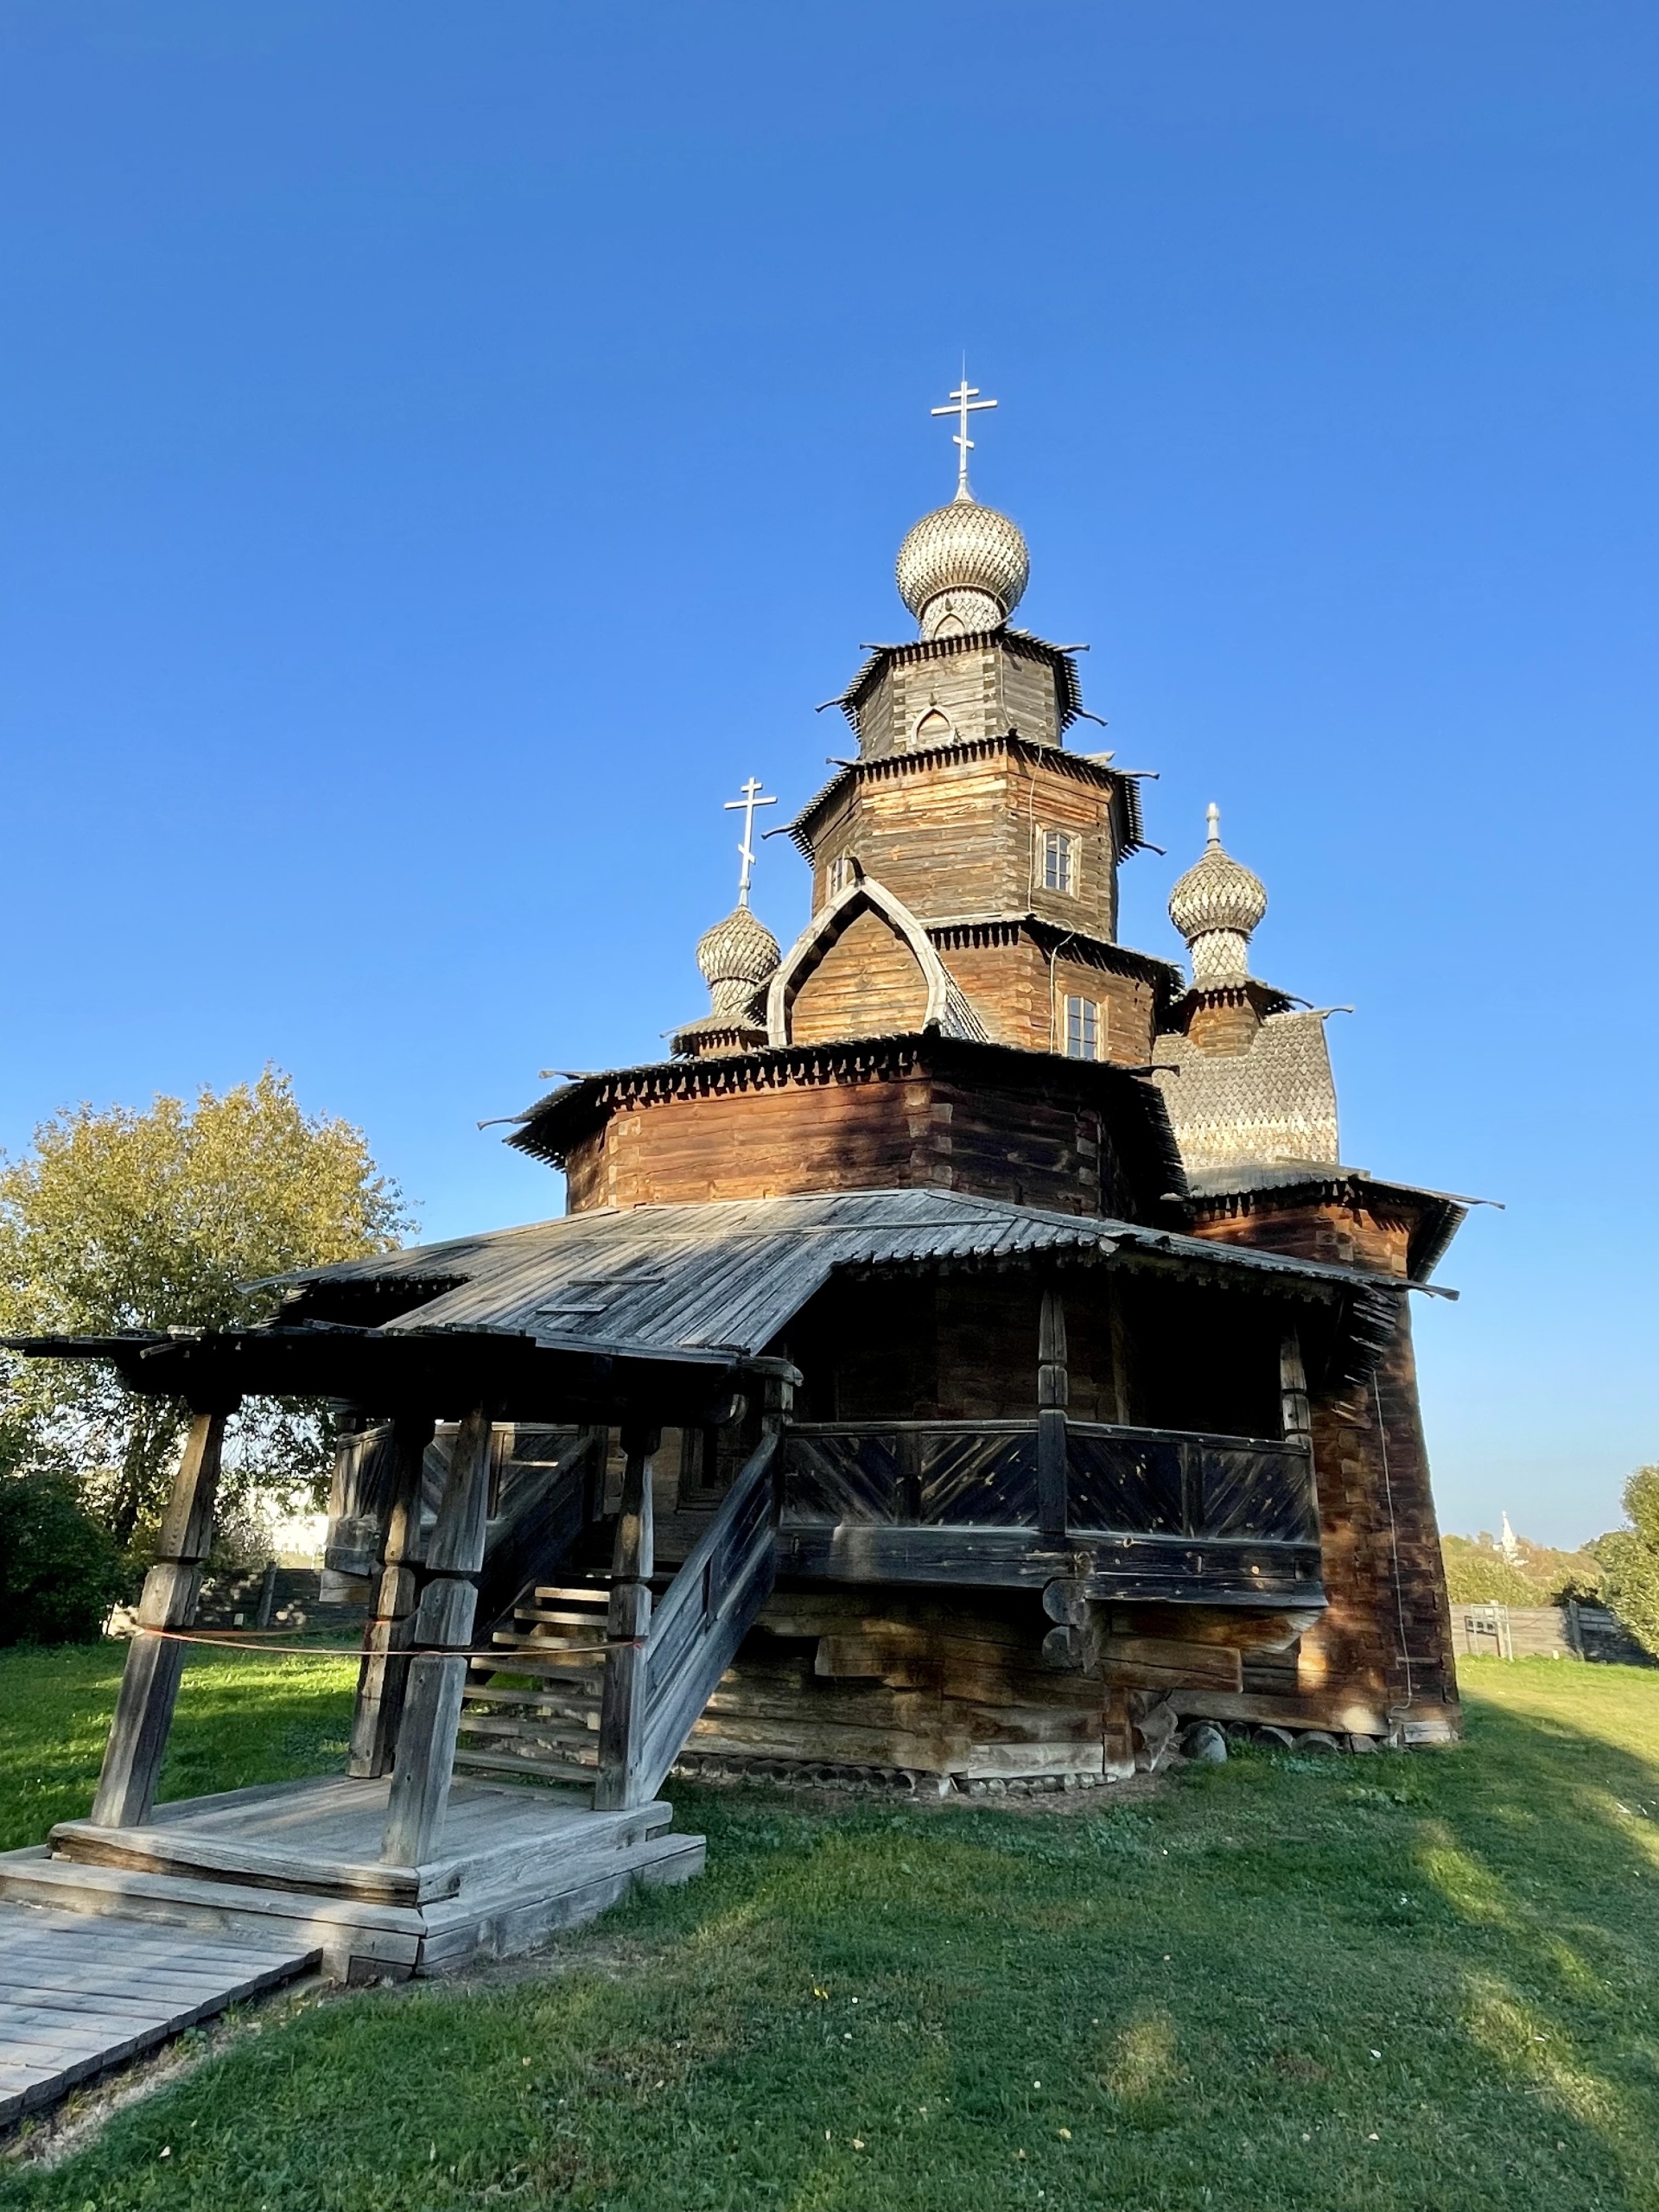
(1117, 1737)
(383, 1677)
(1338, 1711)
(149, 1681)
(622, 1708)
(1294, 1411)
(1053, 1395)
(425, 1754)
(1150, 1663)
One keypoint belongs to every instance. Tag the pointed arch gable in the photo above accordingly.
(829, 925)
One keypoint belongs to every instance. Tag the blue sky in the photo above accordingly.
(444, 450)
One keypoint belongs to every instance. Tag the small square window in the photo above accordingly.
(1059, 861)
(1082, 1029)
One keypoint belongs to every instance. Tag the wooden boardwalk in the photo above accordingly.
(79, 1994)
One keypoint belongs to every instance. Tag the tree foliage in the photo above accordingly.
(1630, 1560)
(122, 1220)
(1479, 1573)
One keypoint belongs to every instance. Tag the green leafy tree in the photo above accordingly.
(126, 1220)
(1630, 1560)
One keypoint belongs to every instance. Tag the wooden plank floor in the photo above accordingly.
(80, 1994)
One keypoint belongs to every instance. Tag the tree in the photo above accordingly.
(127, 1220)
(1630, 1560)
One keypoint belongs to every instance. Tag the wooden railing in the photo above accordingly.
(659, 1677)
(1158, 1512)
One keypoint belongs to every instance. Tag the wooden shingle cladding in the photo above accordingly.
(874, 1114)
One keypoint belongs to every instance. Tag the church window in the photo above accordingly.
(1082, 1029)
(1059, 861)
(934, 728)
(843, 870)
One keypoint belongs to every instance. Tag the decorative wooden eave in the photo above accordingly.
(1433, 1218)
(952, 932)
(1024, 645)
(946, 1009)
(1135, 1107)
(1124, 787)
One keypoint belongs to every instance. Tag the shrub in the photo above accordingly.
(59, 1570)
(1630, 1560)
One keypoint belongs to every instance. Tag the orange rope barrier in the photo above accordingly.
(228, 1640)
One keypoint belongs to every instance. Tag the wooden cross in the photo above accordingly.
(746, 807)
(964, 400)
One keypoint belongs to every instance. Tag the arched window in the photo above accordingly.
(934, 728)
(1059, 861)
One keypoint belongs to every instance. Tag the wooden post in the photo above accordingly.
(621, 1714)
(383, 1677)
(149, 1683)
(1053, 1395)
(425, 1755)
(1294, 1414)
(1121, 1398)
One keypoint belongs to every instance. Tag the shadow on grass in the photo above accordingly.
(1405, 1981)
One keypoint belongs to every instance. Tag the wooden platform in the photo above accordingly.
(296, 1866)
(77, 1996)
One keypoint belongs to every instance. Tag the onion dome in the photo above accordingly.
(736, 956)
(1216, 907)
(962, 567)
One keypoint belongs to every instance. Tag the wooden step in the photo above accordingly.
(532, 1770)
(560, 1701)
(552, 1730)
(556, 1594)
(540, 1659)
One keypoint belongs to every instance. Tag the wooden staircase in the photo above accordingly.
(536, 1713)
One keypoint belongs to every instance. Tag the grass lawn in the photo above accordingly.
(1426, 1980)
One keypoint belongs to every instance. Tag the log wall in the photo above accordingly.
(1388, 1630)
(871, 1133)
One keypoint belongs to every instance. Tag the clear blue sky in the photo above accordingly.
(444, 449)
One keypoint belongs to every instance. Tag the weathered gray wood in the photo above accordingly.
(431, 1717)
(1264, 1572)
(712, 1604)
(1292, 1392)
(621, 1713)
(149, 1681)
(1053, 1396)
(383, 1677)
(75, 1999)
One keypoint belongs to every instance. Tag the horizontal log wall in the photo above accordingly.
(1387, 1631)
(868, 1134)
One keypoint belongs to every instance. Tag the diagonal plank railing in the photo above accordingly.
(658, 1679)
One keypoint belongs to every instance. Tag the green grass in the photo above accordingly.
(242, 1718)
(1424, 1981)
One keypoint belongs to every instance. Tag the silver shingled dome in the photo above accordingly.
(972, 553)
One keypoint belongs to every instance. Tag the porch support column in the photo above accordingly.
(383, 1677)
(149, 1683)
(425, 1755)
(1295, 1414)
(621, 1713)
(1053, 1395)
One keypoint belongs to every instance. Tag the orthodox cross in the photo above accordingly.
(746, 807)
(964, 400)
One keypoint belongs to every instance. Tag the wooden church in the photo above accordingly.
(965, 1364)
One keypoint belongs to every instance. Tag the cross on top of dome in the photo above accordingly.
(964, 400)
(746, 806)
